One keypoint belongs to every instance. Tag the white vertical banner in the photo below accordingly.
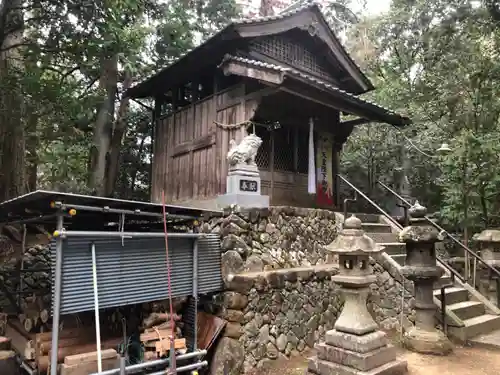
(311, 172)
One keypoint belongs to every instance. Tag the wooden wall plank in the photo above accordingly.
(190, 159)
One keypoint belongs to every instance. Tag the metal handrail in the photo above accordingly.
(376, 206)
(453, 272)
(443, 231)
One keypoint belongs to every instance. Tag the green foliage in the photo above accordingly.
(63, 52)
(437, 63)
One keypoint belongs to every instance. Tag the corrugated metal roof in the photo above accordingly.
(299, 74)
(134, 271)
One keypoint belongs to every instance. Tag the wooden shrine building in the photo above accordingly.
(268, 75)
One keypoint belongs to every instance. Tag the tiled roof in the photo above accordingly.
(243, 21)
(296, 73)
(279, 16)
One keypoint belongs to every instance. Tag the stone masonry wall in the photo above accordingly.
(279, 297)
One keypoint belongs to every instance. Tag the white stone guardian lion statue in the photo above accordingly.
(245, 152)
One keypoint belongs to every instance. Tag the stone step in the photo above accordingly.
(489, 340)
(476, 326)
(444, 280)
(467, 309)
(453, 295)
(366, 218)
(376, 228)
(384, 237)
(394, 248)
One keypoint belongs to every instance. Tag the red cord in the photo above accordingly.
(172, 322)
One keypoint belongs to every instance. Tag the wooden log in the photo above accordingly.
(46, 346)
(19, 342)
(155, 335)
(158, 318)
(17, 326)
(5, 343)
(44, 316)
(43, 361)
(163, 346)
(8, 363)
(28, 324)
(88, 367)
(63, 334)
(76, 359)
(163, 326)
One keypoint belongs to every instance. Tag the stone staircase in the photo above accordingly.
(469, 315)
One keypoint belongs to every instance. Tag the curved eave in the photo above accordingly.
(192, 60)
(309, 87)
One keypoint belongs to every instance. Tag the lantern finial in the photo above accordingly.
(353, 223)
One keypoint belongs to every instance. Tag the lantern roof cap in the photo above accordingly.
(352, 239)
(487, 235)
(417, 211)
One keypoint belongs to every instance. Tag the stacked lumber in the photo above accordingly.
(37, 348)
(35, 314)
(86, 363)
(28, 270)
(71, 343)
(157, 335)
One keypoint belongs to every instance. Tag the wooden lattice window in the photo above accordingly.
(283, 149)
(287, 142)
(292, 53)
(264, 153)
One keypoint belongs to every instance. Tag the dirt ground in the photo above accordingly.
(470, 361)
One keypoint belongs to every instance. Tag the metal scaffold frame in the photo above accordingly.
(61, 244)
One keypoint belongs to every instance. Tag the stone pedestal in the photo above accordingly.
(243, 188)
(355, 346)
(489, 247)
(421, 268)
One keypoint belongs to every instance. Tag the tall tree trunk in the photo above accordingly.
(103, 125)
(32, 142)
(12, 135)
(120, 127)
(140, 156)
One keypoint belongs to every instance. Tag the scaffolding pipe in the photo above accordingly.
(96, 310)
(57, 299)
(134, 369)
(122, 366)
(84, 233)
(107, 209)
(194, 366)
(195, 289)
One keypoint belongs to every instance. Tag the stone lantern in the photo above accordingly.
(421, 268)
(489, 245)
(355, 345)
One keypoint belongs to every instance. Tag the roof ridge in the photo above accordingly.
(279, 15)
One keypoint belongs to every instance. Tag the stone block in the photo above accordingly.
(248, 183)
(243, 200)
(320, 367)
(360, 344)
(233, 330)
(359, 361)
(235, 301)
